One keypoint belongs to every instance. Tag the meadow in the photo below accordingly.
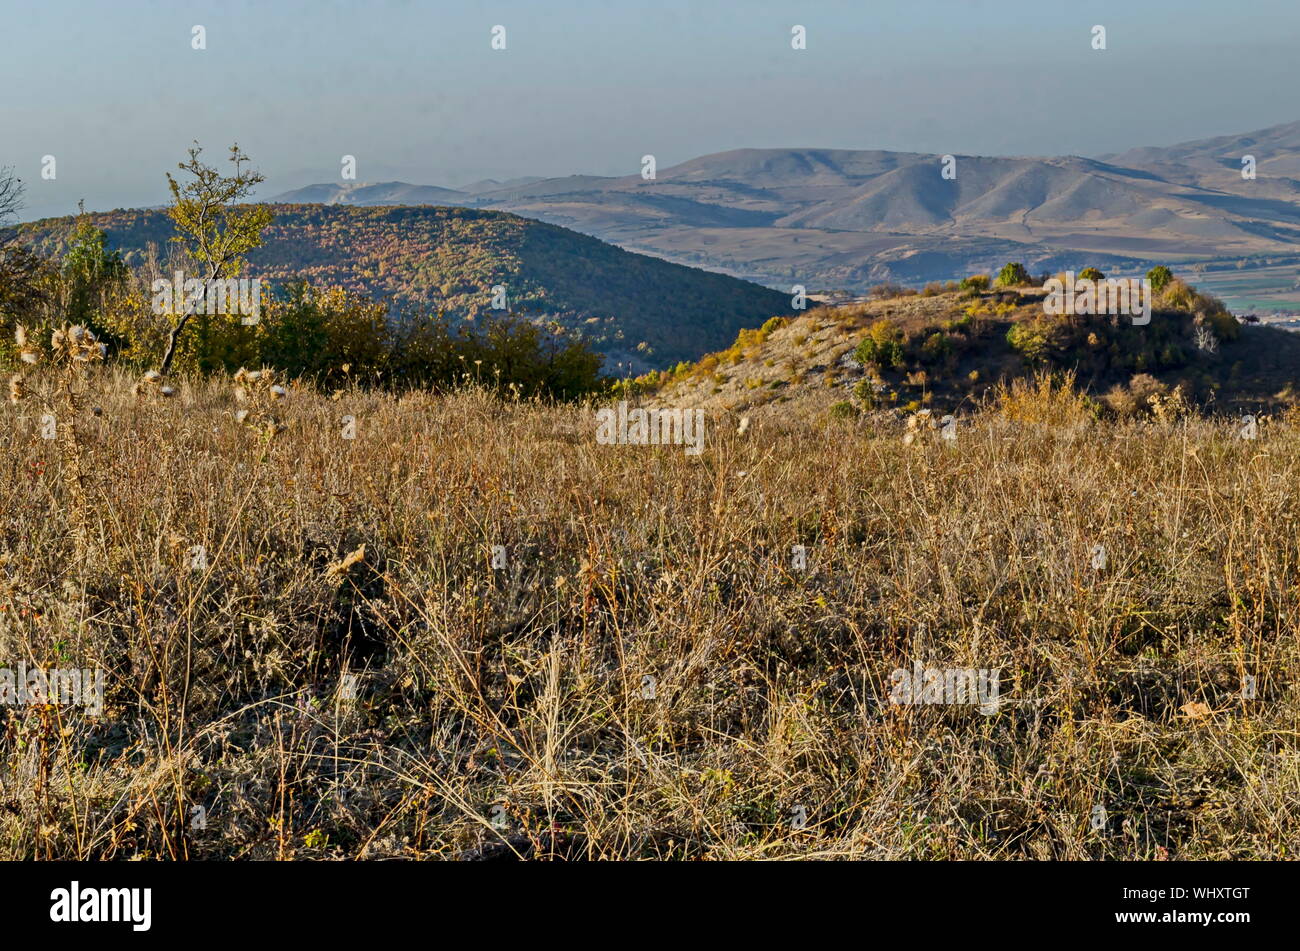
(351, 624)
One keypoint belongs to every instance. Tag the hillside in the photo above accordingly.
(837, 218)
(956, 349)
(423, 259)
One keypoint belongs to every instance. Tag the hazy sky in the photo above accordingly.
(414, 90)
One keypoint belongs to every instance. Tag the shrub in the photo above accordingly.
(313, 332)
(1143, 387)
(1222, 323)
(882, 347)
(1045, 399)
(937, 348)
(1013, 275)
(1172, 406)
(1177, 295)
(1120, 400)
(1029, 338)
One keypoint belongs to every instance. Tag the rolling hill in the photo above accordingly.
(955, 349)
(850, 218)
(423, 258)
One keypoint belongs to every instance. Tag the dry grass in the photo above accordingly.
(521, 688)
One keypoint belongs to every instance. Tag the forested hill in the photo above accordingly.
(423, 259)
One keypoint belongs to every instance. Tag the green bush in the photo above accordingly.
(1013, 274)
(1030, 339)
(508, 352)
(882, 347)
(312, 332)
(937, 348)
(865, 393)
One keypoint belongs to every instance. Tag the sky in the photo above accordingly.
(414, 90)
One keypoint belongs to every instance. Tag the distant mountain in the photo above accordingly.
(399, 193)
(382, 193)
(1216, 162)
(423, 259)
(491, 184)
(824, 217)
(845, 218)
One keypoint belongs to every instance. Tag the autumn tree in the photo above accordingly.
(11, 194)
(215, 230)
(21, 270)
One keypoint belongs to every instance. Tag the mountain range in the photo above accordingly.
(846, 219)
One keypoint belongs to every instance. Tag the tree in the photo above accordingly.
(887, 289)
(90, 270)
(21, 274)
(1013, 275)
(1091, 274)
(21, 270)
(1159, 277)
(11, 193)
(216, 234)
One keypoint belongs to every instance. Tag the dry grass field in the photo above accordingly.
(308, 652)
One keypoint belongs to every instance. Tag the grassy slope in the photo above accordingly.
(424, 258)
